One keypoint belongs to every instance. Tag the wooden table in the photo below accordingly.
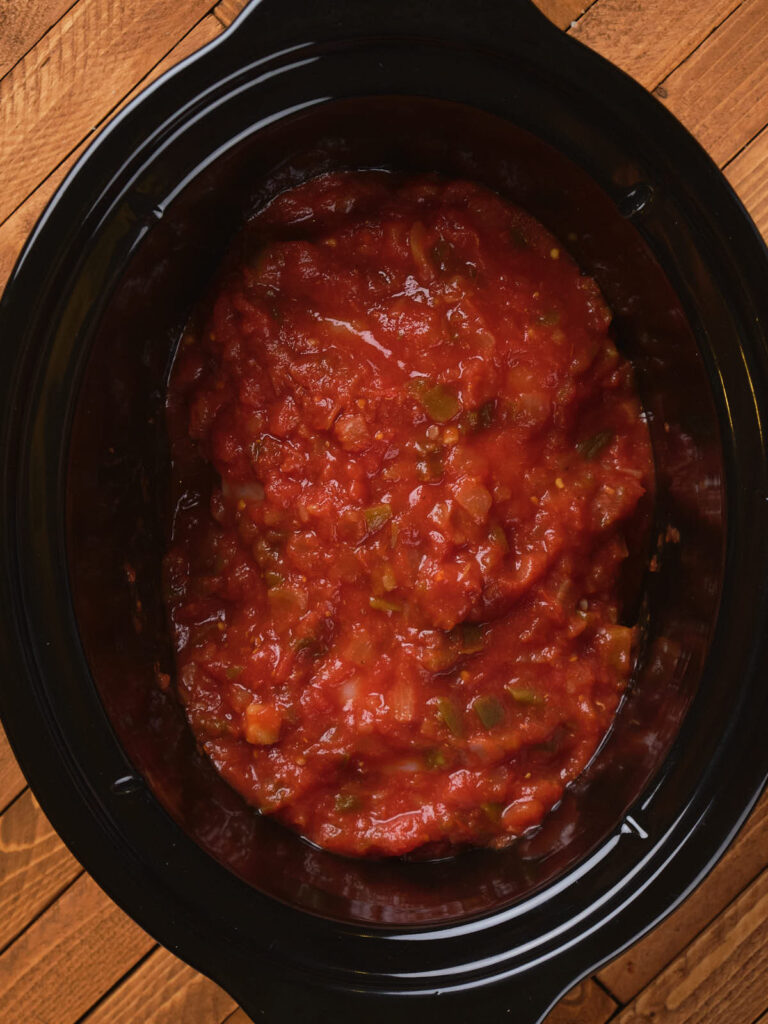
(67, 953)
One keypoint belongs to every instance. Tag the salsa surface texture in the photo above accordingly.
(407, 456)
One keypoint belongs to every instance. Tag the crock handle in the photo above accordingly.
(524, 999)
(275, 24)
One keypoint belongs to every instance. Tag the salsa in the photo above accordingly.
(406, 456)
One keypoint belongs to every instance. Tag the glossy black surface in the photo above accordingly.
(88, 323)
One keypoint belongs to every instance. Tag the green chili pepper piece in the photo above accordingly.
(376, 516)
(493, 810)
(439, 402)
(449, 715)
(432, 466)
(592, 446)
(498, 536)
(434, 759)
(489, 711)
(524, 696)
(486, 414)
(383, 604)
(470, 637)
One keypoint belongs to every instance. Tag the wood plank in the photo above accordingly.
(12, 782)
(14, 231)
(720, 977)
(68, 958)
(648, 38)
(748, 173)
(587, 1003)
(748, 856)
(35, 866)
(164, 990)
(562, 12)
(22, 24)
(719, 92)
(84, 66)
(238, 1017)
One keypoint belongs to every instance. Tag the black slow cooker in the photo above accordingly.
(89, 322)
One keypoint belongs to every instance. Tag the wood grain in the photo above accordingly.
(563, 13)
(721, 977)
(648, 38)
(81, 69)
(72, 954)
(164, 990)
(748, 173)
(719, 92)
(748, 856)
(12, 782)
(587, 1003)
(35, 866)
(15, 230)
(22, 23)
(240, 1017)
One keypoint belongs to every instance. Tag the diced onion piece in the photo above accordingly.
(248, 490)
(262, 724)
(475, 499)
(402, 700)
(418, 243)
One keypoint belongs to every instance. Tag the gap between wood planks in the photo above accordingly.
(12, 782)
(721, 972)
(70, 83)
(23, 26)
(35, 867)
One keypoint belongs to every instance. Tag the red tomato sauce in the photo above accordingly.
(406, 456)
